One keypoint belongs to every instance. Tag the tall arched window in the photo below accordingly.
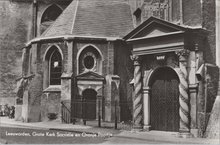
(55, 68)
(52, 67)
(49, 16)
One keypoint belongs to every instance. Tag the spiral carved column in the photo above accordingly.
(183, 96)
(137, 100)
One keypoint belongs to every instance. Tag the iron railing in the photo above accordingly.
(65, 113)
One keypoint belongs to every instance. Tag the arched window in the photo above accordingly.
(52, 67)
(55, 68)
(49, 16)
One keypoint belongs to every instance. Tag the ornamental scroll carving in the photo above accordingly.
(184, 52)
(157, 8)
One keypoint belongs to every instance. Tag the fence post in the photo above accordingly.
(84, 111)
(84, 122)
(116, 125)
(62, 112)
(99, 113)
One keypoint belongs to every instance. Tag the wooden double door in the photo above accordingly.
(164, 101)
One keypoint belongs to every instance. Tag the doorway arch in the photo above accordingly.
(89, 104)
(164, 99)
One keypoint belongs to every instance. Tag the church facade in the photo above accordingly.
(77, 62)
(148, 61)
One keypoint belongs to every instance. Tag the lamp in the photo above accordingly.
(200, 72)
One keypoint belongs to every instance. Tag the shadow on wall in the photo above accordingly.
(209, 54)
(213, 104)
(34, 98)
(212, 84)
(212, 79)
(206, 102)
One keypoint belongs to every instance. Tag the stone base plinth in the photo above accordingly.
(194, 132)
(184, 135)
(146, 128)
(137, 128)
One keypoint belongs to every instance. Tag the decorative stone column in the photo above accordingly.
(137, 100)
(183, 96)
(146, 106)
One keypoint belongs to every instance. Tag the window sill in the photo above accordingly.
(53, 88)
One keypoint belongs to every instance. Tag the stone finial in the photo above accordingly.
(182, 54)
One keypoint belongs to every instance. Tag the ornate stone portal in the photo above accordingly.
(143, 92)
(106, 107)
(159, 45)
(91, 81)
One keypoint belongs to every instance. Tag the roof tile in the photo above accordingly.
(107, 18)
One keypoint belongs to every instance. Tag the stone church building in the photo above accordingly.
(148, 61)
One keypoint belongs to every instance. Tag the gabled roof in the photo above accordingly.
(105, 18)
(90, 76)
(154, 27)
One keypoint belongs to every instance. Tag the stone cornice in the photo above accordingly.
(39, 0)
(160, 49)
(71, 38)
(154, 37)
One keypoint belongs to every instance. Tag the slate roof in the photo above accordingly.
(104, 18)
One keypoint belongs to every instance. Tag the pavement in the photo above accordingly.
(116, 136)
(56, 125)
(158, 137)
(3, 141)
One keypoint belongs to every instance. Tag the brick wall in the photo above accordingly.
(16, 29)
(192, 12)
(50, 103)
(15, 24)
(9, 100)
(208, 23)
(124, 69)
(104, 48)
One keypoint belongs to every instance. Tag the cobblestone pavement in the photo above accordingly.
(102, 135)
(153, 137)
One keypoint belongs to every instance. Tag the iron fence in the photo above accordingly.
(91, 113)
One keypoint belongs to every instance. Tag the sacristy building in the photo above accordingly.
(149, 61)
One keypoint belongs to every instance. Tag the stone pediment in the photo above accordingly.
(90, 80)
(154, 27)
(157, 36)
(90, 76)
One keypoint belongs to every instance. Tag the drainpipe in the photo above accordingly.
(181, 11)
(34, 18)
(205, 107)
